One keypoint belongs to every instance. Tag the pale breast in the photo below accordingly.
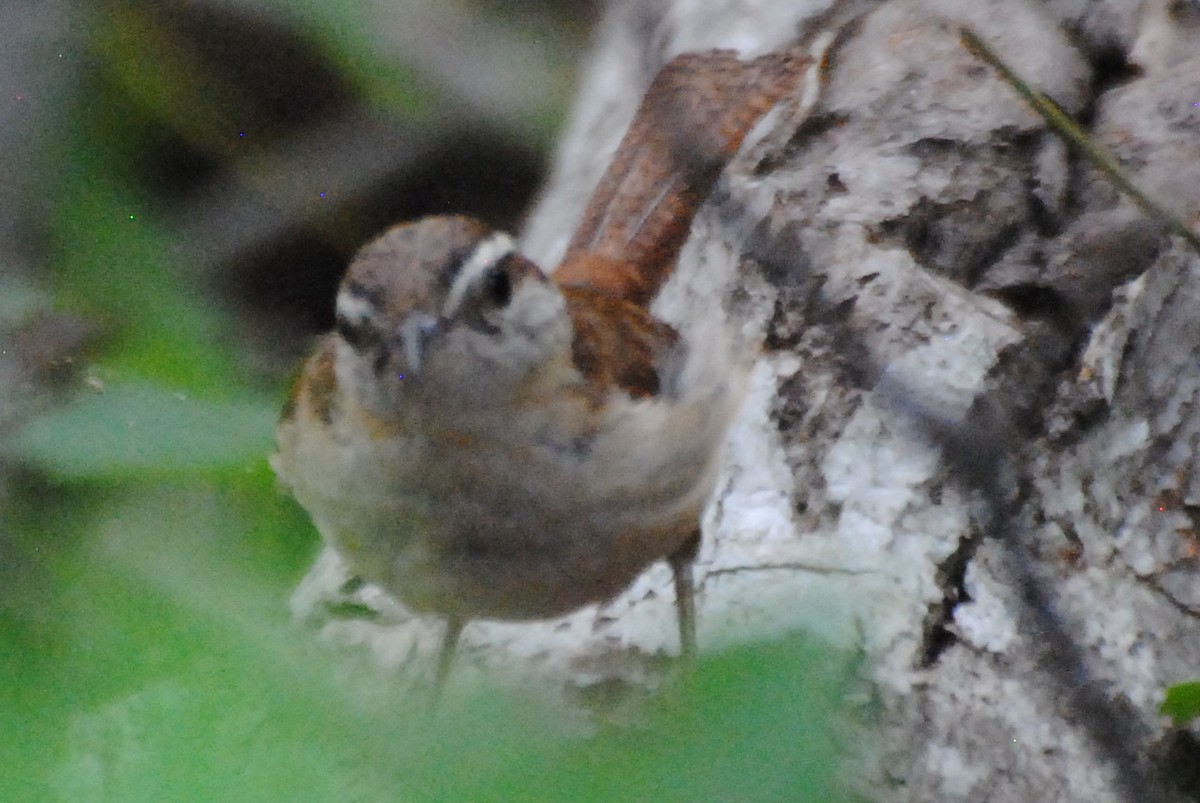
(525, 514)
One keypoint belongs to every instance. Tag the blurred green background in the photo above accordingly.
(184, 183)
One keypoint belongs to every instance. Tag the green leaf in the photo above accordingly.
(1182, 703)
(133, 427)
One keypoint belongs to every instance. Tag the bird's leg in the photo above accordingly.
(454, 627)
(682, 562)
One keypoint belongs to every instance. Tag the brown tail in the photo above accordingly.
(690, 124)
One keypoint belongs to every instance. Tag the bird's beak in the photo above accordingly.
(414, 333)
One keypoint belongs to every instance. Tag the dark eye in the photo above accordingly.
(355, 314)
(496, 285)
(352, 333)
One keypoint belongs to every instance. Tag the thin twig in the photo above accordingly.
(1063, 125)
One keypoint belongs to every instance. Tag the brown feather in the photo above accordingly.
(691, 122)
(616, 277)
(314, 391)
(617, 343)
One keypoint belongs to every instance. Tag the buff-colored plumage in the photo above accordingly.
(482, 440)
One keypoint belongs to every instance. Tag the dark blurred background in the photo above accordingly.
(266, 141)
(183, 183)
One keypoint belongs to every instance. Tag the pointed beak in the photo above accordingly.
(414, 333)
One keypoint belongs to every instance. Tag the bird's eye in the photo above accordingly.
(355, 333)
(496, 285)
(356, 312)
(483, 287)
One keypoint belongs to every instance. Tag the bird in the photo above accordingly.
(483, 439)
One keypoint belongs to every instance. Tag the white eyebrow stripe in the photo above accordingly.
(353, 307)
(486, 254)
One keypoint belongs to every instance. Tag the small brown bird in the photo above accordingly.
(483, 440)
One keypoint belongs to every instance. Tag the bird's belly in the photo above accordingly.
(517, 526)
(496, 550)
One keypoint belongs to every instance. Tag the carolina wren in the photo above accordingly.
(483, 440)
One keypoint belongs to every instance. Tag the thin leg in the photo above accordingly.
(454, 627)
(682, 562)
